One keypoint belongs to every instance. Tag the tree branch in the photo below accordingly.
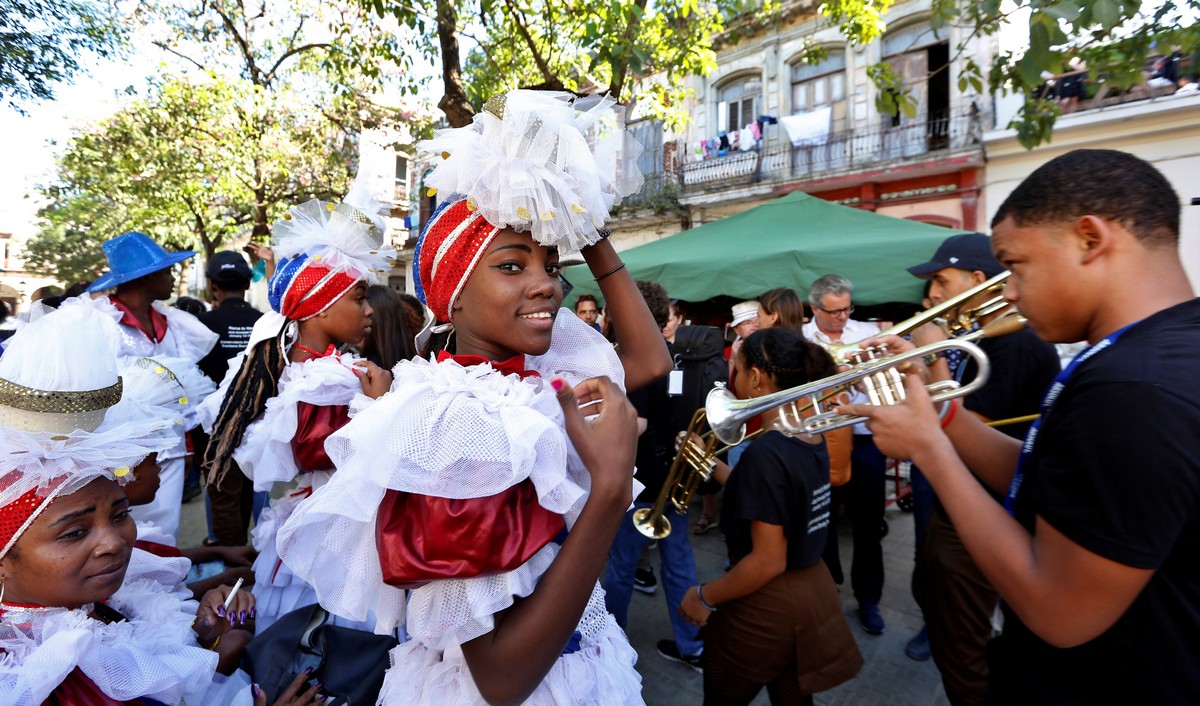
(552, 80)
(270, 75)
(163, 45)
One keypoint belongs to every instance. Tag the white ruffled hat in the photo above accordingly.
(63, 419)
(540, 161)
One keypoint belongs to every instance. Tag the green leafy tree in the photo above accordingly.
(324, 59)
(46, 42)
(613, 45)
(577, 46)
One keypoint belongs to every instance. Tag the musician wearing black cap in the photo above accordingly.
(955, 597)
(232, 319)
(1095, 546)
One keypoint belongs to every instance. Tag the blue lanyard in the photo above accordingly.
(1056, 388)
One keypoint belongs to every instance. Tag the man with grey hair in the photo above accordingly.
(864, 493)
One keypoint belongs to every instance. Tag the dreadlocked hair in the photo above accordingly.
(789, 358)
(257, 381)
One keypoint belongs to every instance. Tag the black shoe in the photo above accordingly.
(644, 581)
(670, 650)
(872, 621)
(918, 647)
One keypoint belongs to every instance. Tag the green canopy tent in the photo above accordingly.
(788, 242)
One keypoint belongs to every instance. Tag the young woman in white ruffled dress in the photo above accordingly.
(290, 389)
(474, 501)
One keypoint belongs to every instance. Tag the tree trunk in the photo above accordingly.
(620, 68)
(454, 103)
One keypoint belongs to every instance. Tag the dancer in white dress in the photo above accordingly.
(291, 388)
(476, 485)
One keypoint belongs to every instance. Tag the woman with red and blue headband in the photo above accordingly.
(476, 501)
(291, 389)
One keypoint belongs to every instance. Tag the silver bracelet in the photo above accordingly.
(700, 595)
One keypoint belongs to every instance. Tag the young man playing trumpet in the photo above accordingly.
(955, 597)
(1095, 547)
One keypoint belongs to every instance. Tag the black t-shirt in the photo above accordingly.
(1022, 368)
(232, 321)
(780, 481)
(1116, 468)
(656, 446)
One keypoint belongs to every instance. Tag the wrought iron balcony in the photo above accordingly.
(836, 153)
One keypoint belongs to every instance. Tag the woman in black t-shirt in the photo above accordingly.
(774, 619)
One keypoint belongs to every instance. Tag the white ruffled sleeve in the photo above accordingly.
(265, 454)
(188, 337)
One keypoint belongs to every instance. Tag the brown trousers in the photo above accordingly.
(958, 603)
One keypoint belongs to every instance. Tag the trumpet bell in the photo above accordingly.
(651, 524)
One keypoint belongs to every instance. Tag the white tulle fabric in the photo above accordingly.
(554, 165)
(153, 654)
(456, 432)
(168, 388)
(345, 237)
(186, 337)
(265, 456)
(601, 672)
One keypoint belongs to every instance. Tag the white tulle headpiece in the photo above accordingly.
(539, 161)
(344, 237)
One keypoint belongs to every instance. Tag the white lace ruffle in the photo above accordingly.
(265, 454)
(600, 672)
(186, 336)
(578, 353)
(153, 654)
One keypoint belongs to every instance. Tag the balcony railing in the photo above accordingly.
(837, 152)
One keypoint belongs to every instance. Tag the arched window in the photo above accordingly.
(739, 103)
(821, 85)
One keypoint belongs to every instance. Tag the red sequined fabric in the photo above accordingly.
(313, 291)
(452, 245)
(16, 513)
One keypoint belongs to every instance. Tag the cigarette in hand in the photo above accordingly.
(228, 600)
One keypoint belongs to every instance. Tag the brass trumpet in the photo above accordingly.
(953, 315)
(879, 377)
(692, 466)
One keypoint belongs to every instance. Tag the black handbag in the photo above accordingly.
(349, 664)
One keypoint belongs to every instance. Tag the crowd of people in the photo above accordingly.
(434, 500)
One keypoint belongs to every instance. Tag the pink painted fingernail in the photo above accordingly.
(557, 384)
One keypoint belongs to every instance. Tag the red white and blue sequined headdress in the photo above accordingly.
(324, 249)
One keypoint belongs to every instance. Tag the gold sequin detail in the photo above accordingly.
(472, 205)
(547, 216)
(445, 155)
(183, 400)
(495, 105)
(577, 208)
(330, 207)
(121, 471)
(431, 191)
(522, 213)
(287, 216)
(58, 402)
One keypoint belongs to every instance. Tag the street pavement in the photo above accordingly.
(887, 677)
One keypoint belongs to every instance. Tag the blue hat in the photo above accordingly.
(132, 255)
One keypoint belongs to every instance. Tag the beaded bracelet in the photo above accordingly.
(700, 595)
